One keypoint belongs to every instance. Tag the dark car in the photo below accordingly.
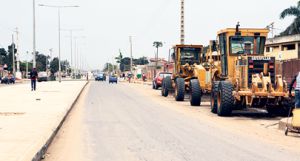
(157, 81)
(113, 79)
(100, 77)
(10, 79)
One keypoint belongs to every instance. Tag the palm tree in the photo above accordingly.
(294, 28)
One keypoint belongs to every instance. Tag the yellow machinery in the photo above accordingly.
(246, 78)
(295, 123)
(188, 68)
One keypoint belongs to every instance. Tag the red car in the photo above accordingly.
(157, 81)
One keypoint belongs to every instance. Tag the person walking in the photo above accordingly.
(33, 76)
(297, 90)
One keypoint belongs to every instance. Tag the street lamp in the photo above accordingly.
(34, 40)
(156, 44)
(76, 55)
(59, 57)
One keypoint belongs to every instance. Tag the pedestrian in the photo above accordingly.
(144, 77)
(33, 76)
(297, 90)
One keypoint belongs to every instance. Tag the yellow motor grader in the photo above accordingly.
(246, 78)
(190, 74)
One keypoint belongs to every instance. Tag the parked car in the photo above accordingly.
(42, 76)
(113, 79)
(157, 81)
(100, 77)
(9, 79)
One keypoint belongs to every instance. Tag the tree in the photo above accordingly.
(9, 58)
(3, 56)
(125, 64)
(293, 28)
(141, 61)
(109, 67)
(65, 65)
(54, 65)
(120, 57)
(41, 61)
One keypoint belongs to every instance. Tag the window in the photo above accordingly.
(190, 55)
(223, 48)
(288, 47)
(247, 45)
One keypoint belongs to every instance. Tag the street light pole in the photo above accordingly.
(27, 65)
(13, 55)
(130, 39)
(34, 40)
(59, 29)
(59, 58)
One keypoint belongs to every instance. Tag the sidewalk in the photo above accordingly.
(29, 119)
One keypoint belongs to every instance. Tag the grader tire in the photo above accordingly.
(166, 85)
(225, 99)
(179, 89)
(213, 98)
(196, 93)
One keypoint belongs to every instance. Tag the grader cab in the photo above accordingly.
(246, 78)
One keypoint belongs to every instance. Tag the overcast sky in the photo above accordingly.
(107, 24)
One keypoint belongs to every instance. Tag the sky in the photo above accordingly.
(103, 27)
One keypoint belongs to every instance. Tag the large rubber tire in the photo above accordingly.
(213, 96)
(225, 99)
(156, 86)
(195, 93)
(167, 85)
(179, 89)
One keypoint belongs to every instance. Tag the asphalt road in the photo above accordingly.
(128, 123)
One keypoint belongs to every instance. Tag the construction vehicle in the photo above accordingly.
(187, 59)
(246, 78)
(194, 71)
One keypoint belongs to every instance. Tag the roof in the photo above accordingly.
(188, 46)
(261, 30)
(283, 39)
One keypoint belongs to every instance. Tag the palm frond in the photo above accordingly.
(292, 11)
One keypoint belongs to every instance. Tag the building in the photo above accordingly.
(286, 49)
(283, 47)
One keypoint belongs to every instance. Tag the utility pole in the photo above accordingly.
(130, 39)
(182, 35)
(17, 54)
(34, 40)
(13, 55)
(27, 65)
(59, 33)
(59, 58)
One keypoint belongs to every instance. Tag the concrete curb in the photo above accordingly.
(41, 153)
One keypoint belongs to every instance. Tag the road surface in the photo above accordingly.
(133, 123)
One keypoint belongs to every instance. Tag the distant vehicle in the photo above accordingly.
(157, 81)
(9, 79)
(42, 76)
(100, 77)
(113, 79)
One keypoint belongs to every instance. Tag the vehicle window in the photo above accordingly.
(164, 74)
(223, 48)
(245, 45)
(190, 55)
